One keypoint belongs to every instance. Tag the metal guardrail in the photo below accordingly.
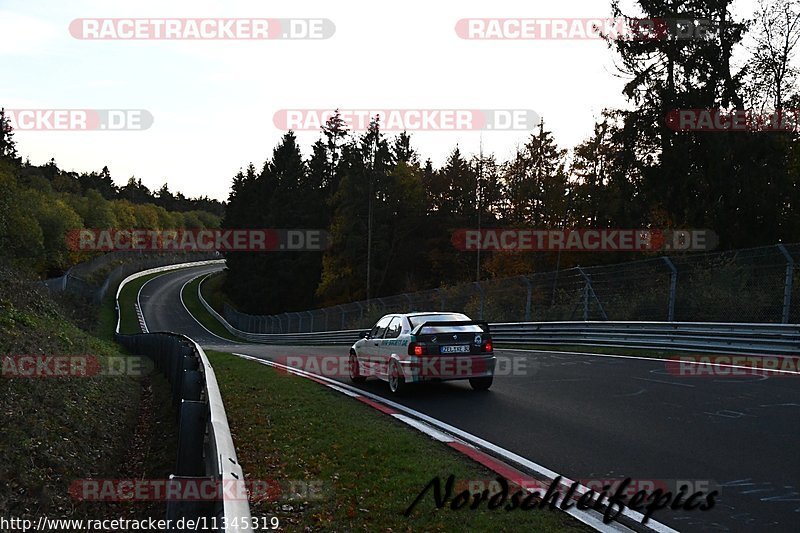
(711, 337)
(304, 339)
(205, 445)
(762, 339)
(77, 280)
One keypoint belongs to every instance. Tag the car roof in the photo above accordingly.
(424, 313)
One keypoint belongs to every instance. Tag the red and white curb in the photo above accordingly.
(140, 318)
(473, 446)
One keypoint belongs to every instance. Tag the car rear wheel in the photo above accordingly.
(355, 374)
(481, 383)
(397, 383)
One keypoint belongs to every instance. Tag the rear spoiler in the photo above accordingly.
(484, 325)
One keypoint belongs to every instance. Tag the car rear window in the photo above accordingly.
(444, 317)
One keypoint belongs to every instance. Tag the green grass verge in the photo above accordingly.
(129, 321)
(213, 293)
(640, 352)
(198, 310)
(368, 467)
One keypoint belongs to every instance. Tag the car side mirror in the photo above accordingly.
(365, 335)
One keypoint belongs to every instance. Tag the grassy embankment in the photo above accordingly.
(58, 429)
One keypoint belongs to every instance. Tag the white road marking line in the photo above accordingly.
(664, 382)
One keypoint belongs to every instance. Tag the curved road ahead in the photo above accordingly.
(593, 417)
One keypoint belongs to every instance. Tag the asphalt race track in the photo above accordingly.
(592, 417)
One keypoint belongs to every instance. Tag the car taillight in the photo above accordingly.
(416, 348)
(487, 346)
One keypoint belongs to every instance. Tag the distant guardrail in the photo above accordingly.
(306, 339)
(205, 445)
(77, 280)
(711, 337)
(764, 339)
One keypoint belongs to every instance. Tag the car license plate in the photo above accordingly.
(461, 348)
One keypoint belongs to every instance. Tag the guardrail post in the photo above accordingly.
(528, 298)
(343, 313)
(325, 312)
(586, 302)
(587, 288)
(673, 286)
(787, 283)
(299, 322)
(478, 286)
(311, 322)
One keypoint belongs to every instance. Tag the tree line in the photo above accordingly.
(632, 171)
(40, 204)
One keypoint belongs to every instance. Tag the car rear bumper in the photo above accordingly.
(447, 367)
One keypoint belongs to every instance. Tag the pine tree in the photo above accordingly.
(335, 131)
(8, 147)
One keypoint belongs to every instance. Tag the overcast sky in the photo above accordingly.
(213, 102)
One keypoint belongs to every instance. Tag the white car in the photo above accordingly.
(416, 347)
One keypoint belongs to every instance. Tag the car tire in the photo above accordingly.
(481, 383)
(397, 383)
(355, 375)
